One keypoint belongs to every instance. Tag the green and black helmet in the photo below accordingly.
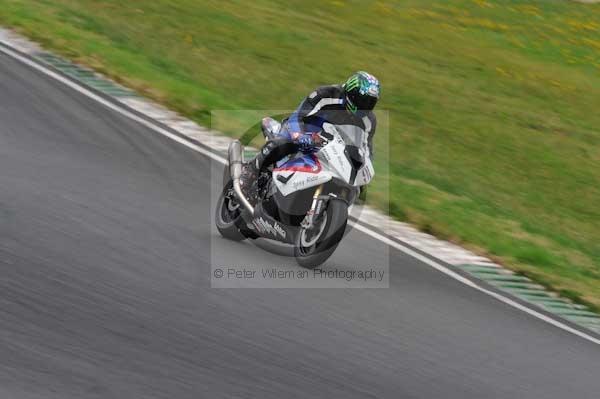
(362, 92)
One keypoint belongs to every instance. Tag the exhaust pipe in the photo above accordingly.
(235, 170)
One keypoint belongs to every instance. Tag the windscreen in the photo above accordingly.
(352, 135)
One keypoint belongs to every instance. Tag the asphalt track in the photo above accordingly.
(106, 244)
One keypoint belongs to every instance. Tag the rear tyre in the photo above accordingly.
(313, 247)
(228, 215)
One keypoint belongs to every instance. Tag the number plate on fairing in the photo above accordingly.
(293, 181)
(299, 174)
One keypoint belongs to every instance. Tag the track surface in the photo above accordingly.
(105, 247)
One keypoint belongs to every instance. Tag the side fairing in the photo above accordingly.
(299, 174)
(332, 161)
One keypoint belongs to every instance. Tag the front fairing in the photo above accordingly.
(347, 155)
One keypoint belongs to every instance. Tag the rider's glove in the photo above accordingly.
(307, 141)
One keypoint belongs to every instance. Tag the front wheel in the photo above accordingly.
(316, 245)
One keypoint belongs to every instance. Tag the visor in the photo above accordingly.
(363, 103)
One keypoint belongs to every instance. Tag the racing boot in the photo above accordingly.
(248, 181)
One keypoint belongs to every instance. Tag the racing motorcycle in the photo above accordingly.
(303, 199)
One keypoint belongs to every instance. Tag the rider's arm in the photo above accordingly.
(310, 105)
(295, 121)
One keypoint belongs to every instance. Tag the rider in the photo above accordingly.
(349, 104)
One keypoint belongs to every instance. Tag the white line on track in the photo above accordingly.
(114, 107)
(438, 266)
(470, 283)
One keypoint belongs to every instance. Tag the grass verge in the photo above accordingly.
(493, 104)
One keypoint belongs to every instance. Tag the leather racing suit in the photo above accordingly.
(298, 131)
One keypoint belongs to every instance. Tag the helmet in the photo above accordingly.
(362, 92)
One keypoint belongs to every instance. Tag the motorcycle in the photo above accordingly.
(303, 199)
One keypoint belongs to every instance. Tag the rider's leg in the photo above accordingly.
(273, 151)
(270, 153)
(280, 145)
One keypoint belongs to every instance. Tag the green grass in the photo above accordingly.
(494, 105)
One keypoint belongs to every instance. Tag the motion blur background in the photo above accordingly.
(493, 105)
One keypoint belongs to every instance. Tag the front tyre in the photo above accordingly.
(315, 246)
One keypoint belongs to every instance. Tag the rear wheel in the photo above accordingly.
(228, 215)
(314, 246)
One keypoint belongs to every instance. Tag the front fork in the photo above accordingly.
(315, 209)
